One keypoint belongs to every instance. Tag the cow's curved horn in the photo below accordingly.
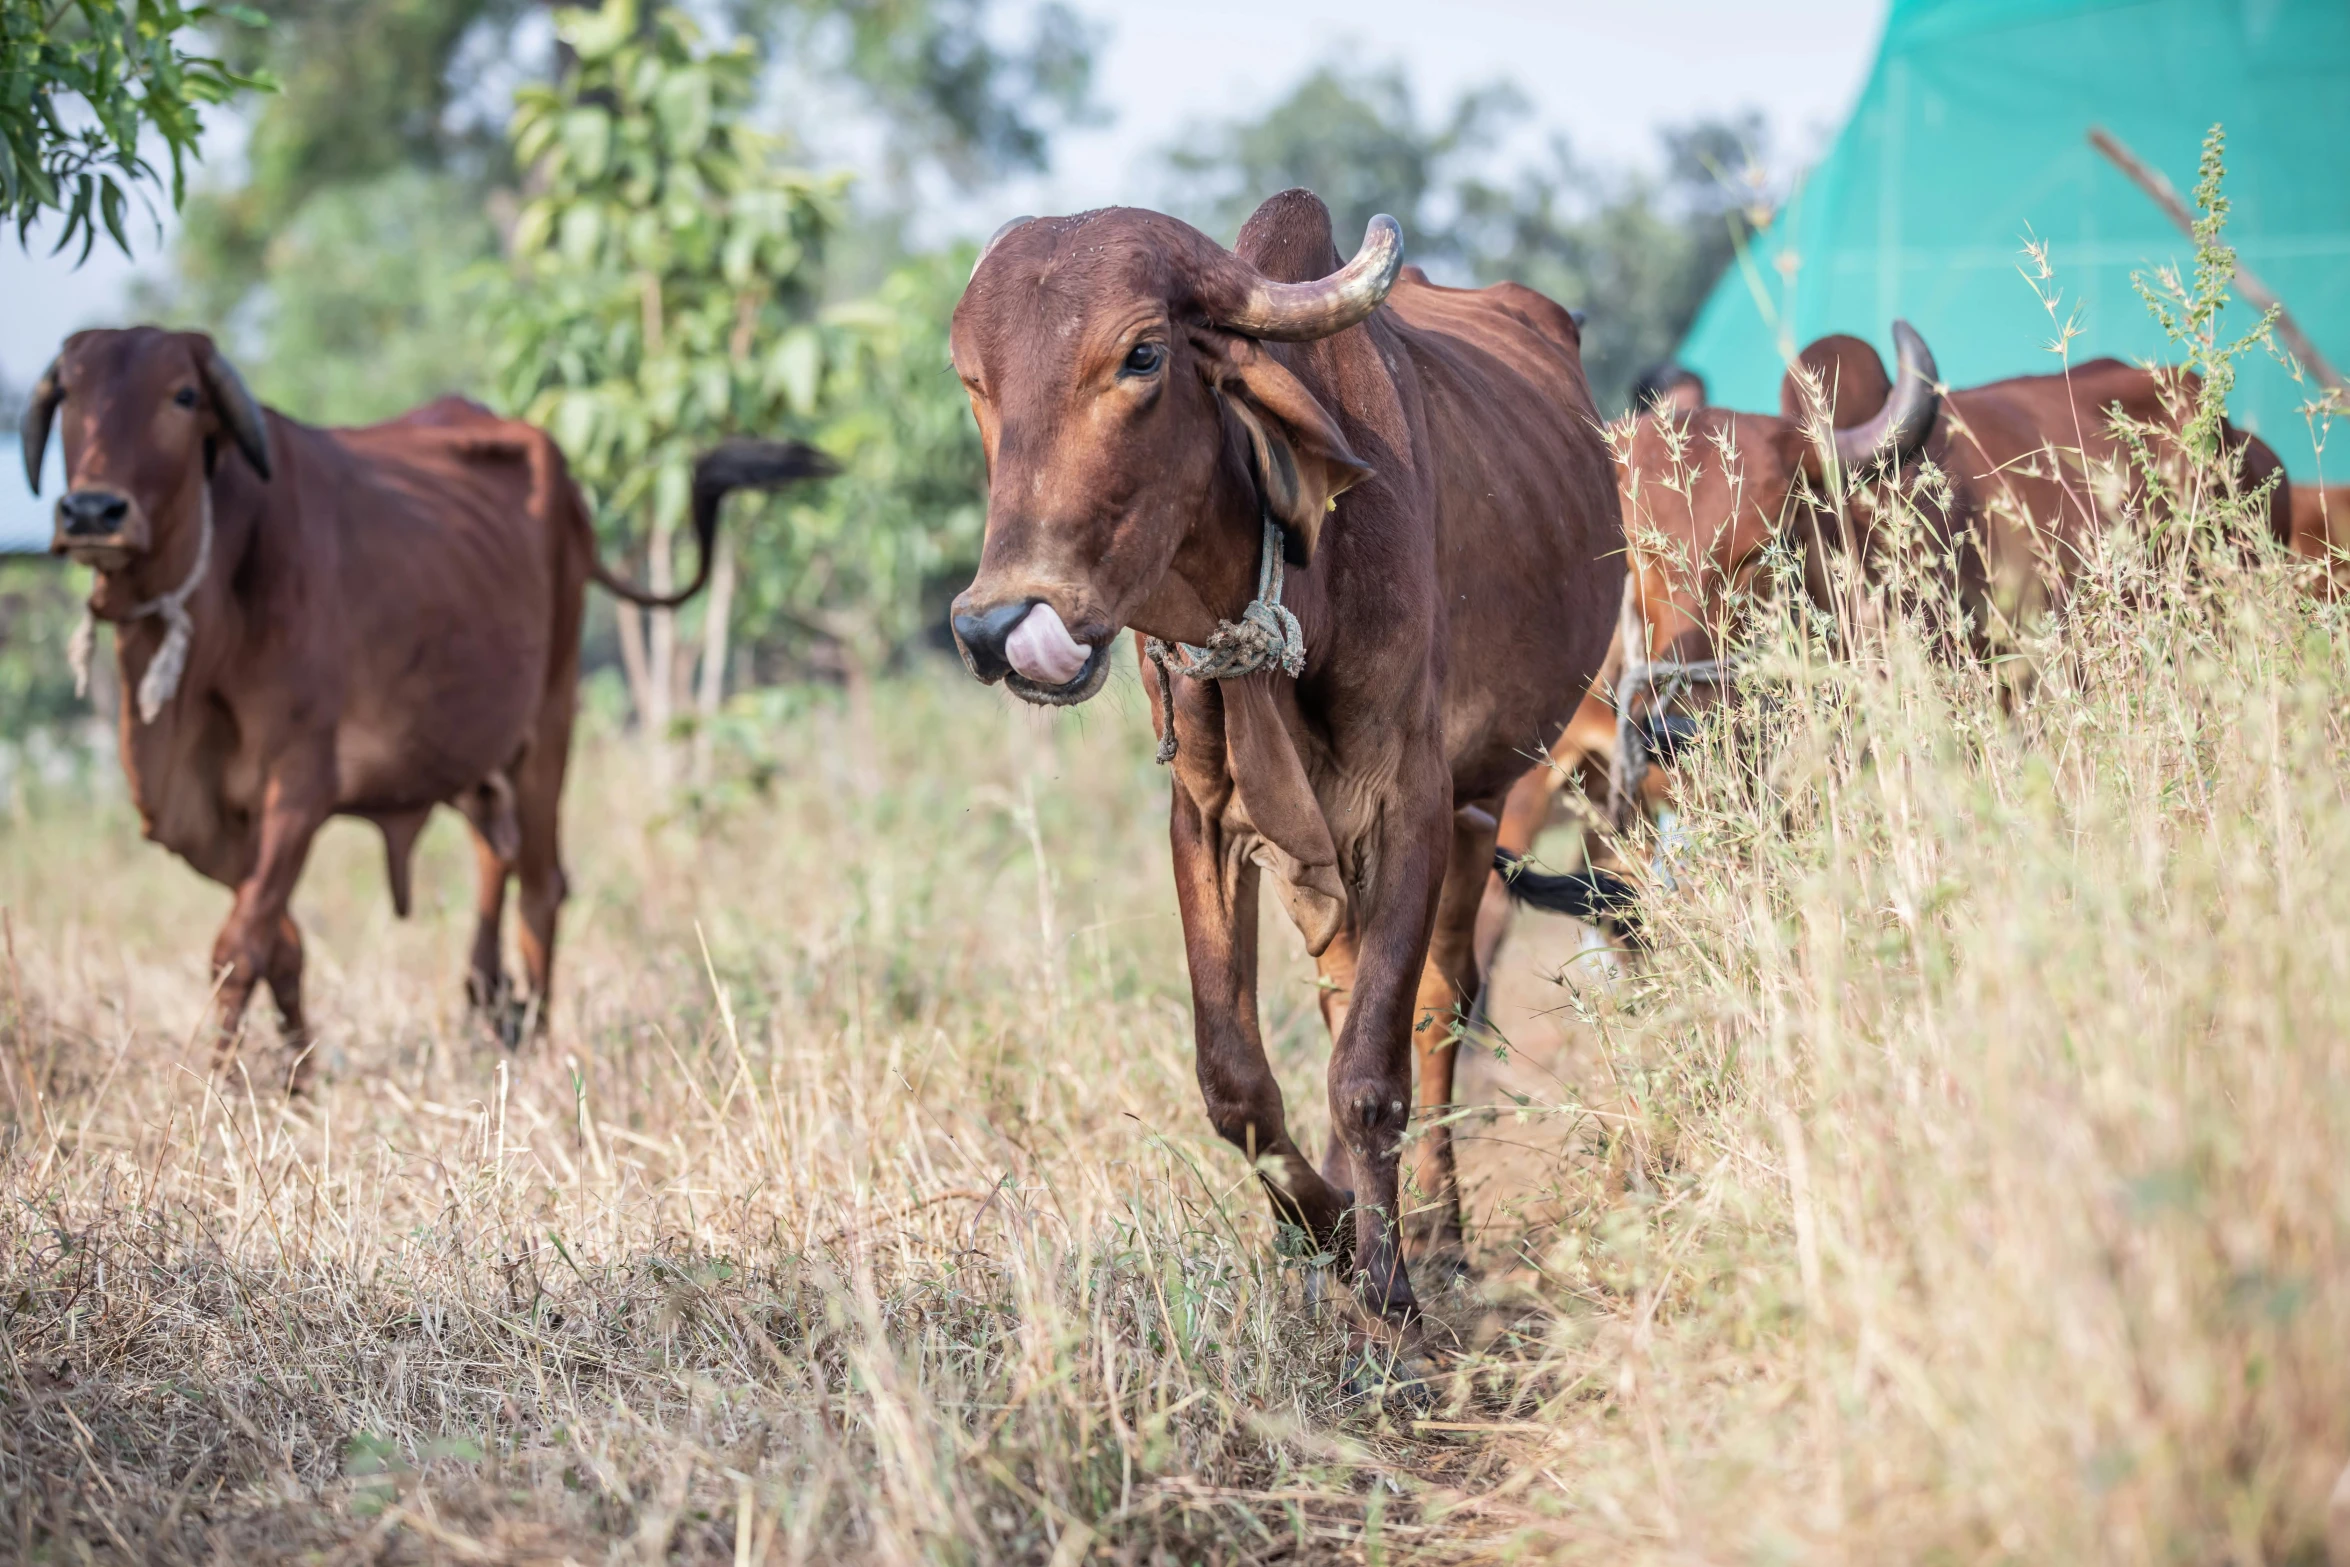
(1000, 232)
(38, 415)
(1900, 426)
(236, 407)
(1301, 312)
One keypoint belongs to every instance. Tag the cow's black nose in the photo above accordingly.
(1667, 734)
(981, 637)
(95, 513)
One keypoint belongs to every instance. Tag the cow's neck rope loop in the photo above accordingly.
(162, 680)
(1664, 681)
(1266, 636)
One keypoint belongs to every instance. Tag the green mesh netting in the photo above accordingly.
(1971, 136)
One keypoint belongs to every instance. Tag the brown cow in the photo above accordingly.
(2321, 530)
(1162, 419)
(363, 622)
(2034, 467)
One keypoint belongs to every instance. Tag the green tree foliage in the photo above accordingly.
(664, 298)
(868, 562)
(1637, 253)
(371, 88)
(335, 268)
(40, 601)
(661, 283)
(664, 270)
(375, 300)
(80, 82)
(947, 91)
(367, 89)
(1355, 140)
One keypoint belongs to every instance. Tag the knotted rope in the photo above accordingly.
(162, 680)
(1267, 636)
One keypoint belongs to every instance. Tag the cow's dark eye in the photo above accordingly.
(185, 397)
(1144, 359)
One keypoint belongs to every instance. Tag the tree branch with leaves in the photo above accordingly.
(82, 83)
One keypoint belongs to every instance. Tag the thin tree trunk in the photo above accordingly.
(631, 625)
(661, 638)
(716, 615)
(660, 653)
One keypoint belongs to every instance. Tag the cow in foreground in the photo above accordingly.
(1191, 443)
(2032, 470)
(364, 622)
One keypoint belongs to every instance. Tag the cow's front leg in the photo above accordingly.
(1371, 1068)
(253, 942)
(1219, 905)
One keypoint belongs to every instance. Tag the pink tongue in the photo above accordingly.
(1042, 650)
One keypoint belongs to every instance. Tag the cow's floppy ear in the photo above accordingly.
(1302, 461)
(39, 413)
(239, 414)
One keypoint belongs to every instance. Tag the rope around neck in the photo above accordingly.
(1267, 636)
(162, 680)
(1664, 682)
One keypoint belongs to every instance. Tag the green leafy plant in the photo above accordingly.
(80, 82)
(661, 285)
(2189, 311)
(665, 267)
(863, 564)
(664, 295)
(350, 336)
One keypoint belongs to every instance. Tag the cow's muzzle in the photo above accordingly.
(1666, 735)
(98, 527)
(1026, 645)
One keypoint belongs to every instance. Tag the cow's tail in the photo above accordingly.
(1594, 896)
(741, 464)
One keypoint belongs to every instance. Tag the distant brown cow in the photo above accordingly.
(2034, 467)
(1432, 474)
(2321, 530)
(365, 622)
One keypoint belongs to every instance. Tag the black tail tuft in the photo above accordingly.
(740, 464)
(1594, 896)
(745, 464)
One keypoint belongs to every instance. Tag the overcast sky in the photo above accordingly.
(1605, 72)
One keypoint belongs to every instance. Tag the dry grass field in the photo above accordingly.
(1959, 1178)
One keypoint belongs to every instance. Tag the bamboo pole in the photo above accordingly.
(2256, 293)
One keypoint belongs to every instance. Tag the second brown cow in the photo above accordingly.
(365, 622)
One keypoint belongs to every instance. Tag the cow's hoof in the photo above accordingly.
(1399, 1378)
(506, 1016)
(1329, 1238)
